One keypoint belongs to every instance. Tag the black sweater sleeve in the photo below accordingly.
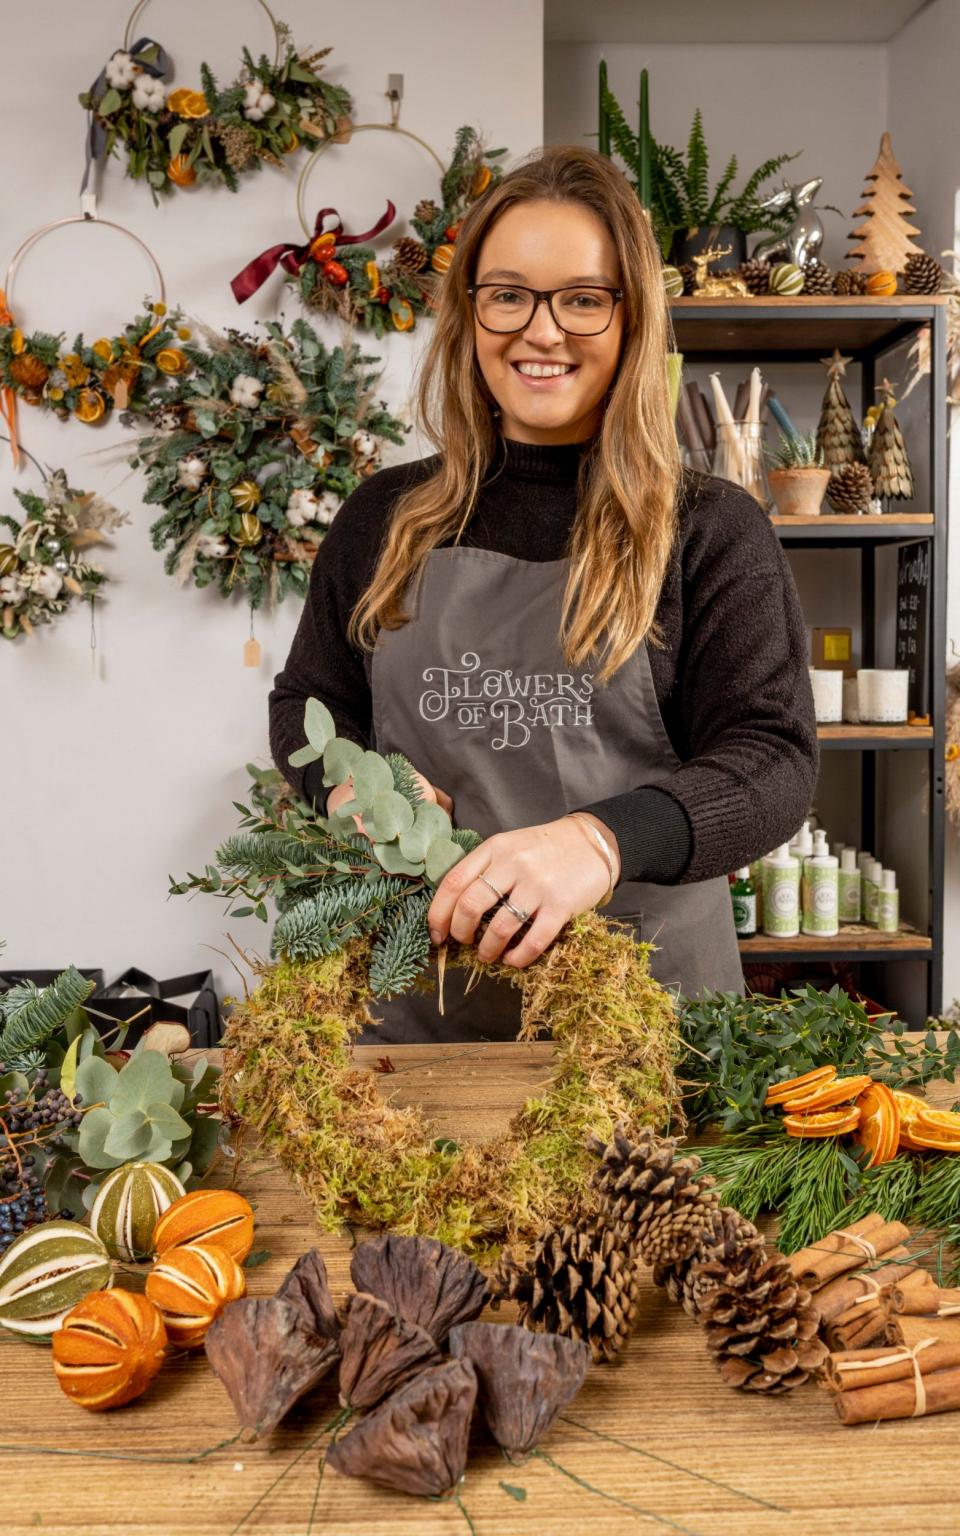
(750, 754)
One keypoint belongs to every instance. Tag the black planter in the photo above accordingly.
(693, 241)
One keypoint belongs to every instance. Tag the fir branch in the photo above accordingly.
(41, 1016)
(402, 949)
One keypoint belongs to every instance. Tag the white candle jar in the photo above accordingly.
(827, 685)
(882, 694)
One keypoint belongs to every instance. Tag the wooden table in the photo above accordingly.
(657, 1432)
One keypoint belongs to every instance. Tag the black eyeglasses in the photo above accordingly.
(505, 307)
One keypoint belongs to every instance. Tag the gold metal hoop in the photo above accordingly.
(45, 229)
(141, 6)
(333, 139)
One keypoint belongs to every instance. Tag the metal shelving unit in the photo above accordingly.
(804, 330)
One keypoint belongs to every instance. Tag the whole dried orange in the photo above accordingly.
(818, 1078)
(840, 1091)
(879, 1128)
(823, 1122)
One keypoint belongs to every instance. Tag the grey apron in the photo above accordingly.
(475, 691)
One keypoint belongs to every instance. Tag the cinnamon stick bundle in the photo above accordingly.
(847, 1248)
(913, 1397)
(853, 1369)
(848, 1290)
(863, 1326)
(918, 1294)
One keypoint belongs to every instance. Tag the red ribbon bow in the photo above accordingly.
(293, 257)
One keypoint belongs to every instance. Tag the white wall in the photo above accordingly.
(112, 778)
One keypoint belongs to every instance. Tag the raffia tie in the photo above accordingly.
(872, 1289)
(866, 1247)
(906, 1353)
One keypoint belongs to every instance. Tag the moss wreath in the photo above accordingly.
(289, 1075)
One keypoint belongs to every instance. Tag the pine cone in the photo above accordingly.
(728, 1235)
(817, 278)
(28, 371)
(922, 274)
(409, 255)
(850, 488)
(850, 281)
(761, 1326)
(756, 275)
(426, 211)
(687, 273)
(651, 1197)
(580, 1281)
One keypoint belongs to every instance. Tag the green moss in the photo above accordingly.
(289, 1074)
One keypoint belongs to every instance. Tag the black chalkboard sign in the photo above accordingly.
(913, 621)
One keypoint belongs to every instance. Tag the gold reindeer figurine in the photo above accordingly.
(716, 285)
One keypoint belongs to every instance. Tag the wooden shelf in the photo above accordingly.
(853, 738)
(871, 528)
(855, 941)
(800, 329)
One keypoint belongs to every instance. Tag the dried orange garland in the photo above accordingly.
(882, 1120)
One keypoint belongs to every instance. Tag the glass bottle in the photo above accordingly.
(739, 457)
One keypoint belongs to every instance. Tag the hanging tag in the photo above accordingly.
(251, 653)
(121, 395)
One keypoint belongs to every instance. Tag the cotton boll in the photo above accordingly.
(46, 583)
(148, 94)
(302, 508)
(212, 547)
(251, 93)
(11, 591)
(266, 102)
(121, 71)
(327, 508)
(246, 390)
(190, 473)
(364, 444)
(167, 422)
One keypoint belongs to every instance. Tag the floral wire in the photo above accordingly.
(665, 1461)
(612, 1498)
(465, 1513)
(164, 1461)
(334, 1424)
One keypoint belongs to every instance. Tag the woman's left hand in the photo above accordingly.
(552, 872)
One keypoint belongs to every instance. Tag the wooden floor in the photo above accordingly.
(665, 1443)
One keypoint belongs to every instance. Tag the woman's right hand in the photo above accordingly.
(340, 793)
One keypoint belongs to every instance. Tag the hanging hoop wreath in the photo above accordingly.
(251, 450)
(339, 274)
(44, 570)
(87, 382)
(187, 137)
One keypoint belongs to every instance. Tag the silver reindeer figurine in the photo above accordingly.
(802, 241)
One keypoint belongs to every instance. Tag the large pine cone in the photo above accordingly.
(850, 281)
(922, 274)
(817, 278)
(727, 1236)
(426, 210)
(761, 1326)
(580, 1281)
(28, 371)
(850, 488)
(651, 1196)
(756, 275)
(409, 255)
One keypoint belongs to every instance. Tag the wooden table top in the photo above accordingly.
(658, 1433)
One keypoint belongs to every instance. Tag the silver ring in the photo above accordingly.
(498, 894)
(518, 912)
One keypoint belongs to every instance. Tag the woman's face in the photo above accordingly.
(544, 244)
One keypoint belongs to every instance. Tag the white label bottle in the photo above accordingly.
(871, 890)
(888, 902)
(820, 890)
(781, 894)
(848, 895)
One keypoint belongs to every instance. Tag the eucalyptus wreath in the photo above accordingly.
(44, 569)
(251, 451)
(185, 136)
(352, 927)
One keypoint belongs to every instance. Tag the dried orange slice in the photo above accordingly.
(777, 1093)
(936, 1129)
(879, 1128)
(943, 1119)
(909, 1106)
(838, 1092)
(823, 1122)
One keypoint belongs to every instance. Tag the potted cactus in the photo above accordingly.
(797, 476)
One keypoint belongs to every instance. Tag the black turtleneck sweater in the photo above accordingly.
(730, 676)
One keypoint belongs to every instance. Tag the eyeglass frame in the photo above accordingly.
(548, 294)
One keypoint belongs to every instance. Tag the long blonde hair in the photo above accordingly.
(625, 525)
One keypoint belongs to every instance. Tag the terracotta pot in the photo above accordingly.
(798, 492)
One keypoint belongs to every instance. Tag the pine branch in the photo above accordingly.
(405, 781)
(402, 950)
(42, 1015)
(15, 997)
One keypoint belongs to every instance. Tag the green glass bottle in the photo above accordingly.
(743, 894)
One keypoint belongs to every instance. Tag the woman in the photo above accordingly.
(595, 660)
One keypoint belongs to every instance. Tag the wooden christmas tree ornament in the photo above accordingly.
(883, 239)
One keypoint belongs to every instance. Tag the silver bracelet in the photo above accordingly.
(604, 847)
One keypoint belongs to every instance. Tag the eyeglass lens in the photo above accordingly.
(581, 311)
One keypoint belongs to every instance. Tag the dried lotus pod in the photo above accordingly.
(267, 1359)
(307, 1288)
(379, 1352)
(421, 1280)
(417, 1440)
(191, 1286)
(523, 1378)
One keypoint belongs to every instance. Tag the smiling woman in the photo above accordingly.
(592, 658)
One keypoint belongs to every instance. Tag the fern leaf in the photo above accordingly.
(745, 211)
(42, 1015)
(402, 949)
(622, 136)
(698, 168)
(715, 211)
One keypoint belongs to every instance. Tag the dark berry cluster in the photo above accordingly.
(28, 1117)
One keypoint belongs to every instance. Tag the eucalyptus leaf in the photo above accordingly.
(433, 819)
(318, 724)
(145, 1080)
(413, 843)
(371, 777)
(441, 857)
(95, 1082)
(94, 1130)
(303, 756)
(129, 1136)
(389, 815)
(111, 101)
(393, 861)
(340, 758)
